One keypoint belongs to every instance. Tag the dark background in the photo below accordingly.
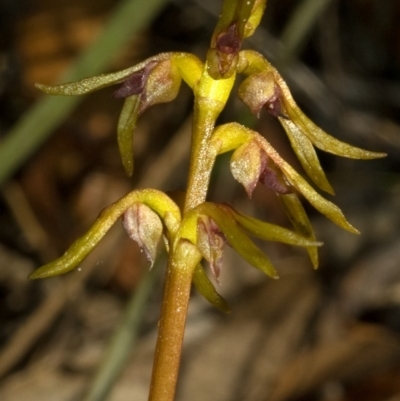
(327, 335)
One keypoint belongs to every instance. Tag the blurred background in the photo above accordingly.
(328, 335)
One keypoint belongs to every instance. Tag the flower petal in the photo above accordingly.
(273, 179)
(237, 239)
(126, 125)
(272, 232)
(260, 90)
(330, 210)
(156, 200)
(327, 208)
(162, 85)
(205, 287)
(134, 84)
(316, 135)
(298, 217)
(92, 84)
(306, 155)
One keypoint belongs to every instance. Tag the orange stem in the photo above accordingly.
(173, 320)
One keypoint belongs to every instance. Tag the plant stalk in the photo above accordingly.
(167, 357)
(202, 158)
(181, 265)
(210, 99)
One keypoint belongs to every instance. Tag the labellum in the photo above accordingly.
(210, 242)
(270, 178)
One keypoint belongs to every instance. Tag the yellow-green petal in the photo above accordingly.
(126, 125)
(306, 154)
(298, 217)
(207, 290)
(316, 135)
(272, 232)
(237, 239)
(91, 84)
(330, 144)
(327, 208)
(330, 210)
(156, 200)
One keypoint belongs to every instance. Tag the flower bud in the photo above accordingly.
(207, 290)
(222, 58)
(238, 20)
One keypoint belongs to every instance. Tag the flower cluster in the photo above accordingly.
(149, 215)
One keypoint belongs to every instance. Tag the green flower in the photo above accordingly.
(147, 215)
(264, 88)
(256, 161)
(155, 80)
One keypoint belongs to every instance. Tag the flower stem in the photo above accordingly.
(210, 99)
(202, 158)
(180, 270)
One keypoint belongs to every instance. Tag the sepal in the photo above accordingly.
(157, 201)
(125, 129)
(91, 84)
(207, 290)
(298, 217)
(238, 135)
(144, 227)
(265, 88)
(233, 234)
(306, 154)
(272, 232)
